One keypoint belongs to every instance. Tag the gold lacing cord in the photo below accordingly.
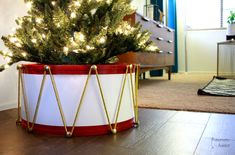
(18, 121)
(25, 100)
(80, 102)
(132, 91)
(70, 133)
(58, 100)
(136, 95)
(120, 100)
(103, 100)
(39, 100)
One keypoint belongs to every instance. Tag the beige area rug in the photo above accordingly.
(180, 93)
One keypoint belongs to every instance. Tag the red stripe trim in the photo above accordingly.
(76, 69)
(79, 130)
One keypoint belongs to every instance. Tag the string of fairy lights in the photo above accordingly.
(79, 42)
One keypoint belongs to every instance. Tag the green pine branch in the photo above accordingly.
(75, 32)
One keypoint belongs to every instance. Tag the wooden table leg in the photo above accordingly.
(169, 73)
(144, 75)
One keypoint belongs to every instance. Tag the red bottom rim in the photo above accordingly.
(79, 130)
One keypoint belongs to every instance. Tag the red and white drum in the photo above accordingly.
(70, 82)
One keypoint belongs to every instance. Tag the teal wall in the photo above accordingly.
(172, 23)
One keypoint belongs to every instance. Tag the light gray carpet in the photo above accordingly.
(180, 93)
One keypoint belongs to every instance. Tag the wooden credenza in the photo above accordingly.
(163, 37)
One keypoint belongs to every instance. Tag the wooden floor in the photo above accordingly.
(161, 132)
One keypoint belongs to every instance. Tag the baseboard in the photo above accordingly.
(9, 105)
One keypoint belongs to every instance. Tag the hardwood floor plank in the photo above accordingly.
(15, 139)
(101, 149)
(160, 132)
(18, 140)
(174, 138)
(219, 136)
(149, 119)
(191, 117)
(7, 115)
(212, 146)
(221, 126)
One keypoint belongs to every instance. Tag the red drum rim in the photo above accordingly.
(76, 69)
(79, 130)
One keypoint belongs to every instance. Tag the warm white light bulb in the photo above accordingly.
(13, 39)
(128, 26)
(34, 40)
(126, 32)
(73, 15)
(66, 49)
(108, 1)
(75, 51)
(120, 30)
(18, 45)
(39, 20)
(132, 7)
(93, 11)
(24, 54)
(102, 40)
(152, 48)
(89, 47)
(53, 3)
(74, 43)
(10, 54)
(141, 43)
(43, 36)
(20, 21)
(76, 3)
(58, 25)
(29, 5)
(4, 52)
(81, 37)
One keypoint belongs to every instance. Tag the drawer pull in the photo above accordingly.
(159, 25)
(160, 51)
(145, 19)
(170, 41)
(169, 30)
(159, 38)
(170, 52)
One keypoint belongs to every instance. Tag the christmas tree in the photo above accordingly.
(75, 32)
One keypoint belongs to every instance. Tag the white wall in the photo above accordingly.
(9, 10)
(201, 49)
(139, 5)
(180, 9)
(196, 48)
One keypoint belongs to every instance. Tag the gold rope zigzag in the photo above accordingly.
(21, 84)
